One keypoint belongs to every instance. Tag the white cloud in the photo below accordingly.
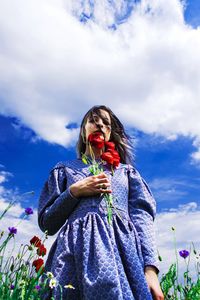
(171, 189)
(54, 68)
(4, 176)
(195, 156)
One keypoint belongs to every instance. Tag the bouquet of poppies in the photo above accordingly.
(110, 157)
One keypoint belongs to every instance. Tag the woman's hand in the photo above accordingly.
(153, 283)
(90, 186)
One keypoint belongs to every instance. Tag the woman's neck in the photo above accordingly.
(97, 152)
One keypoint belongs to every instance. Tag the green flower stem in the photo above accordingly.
(92, 154)
(12, 202)
(24, 217)
(197, 262)
(8, 207)
(33, 283)
(9, 258)
(3, 247)
(61, 292)
(112, 170)
(187, 266)
(109, 207)
(95, 169)
(177, 264)
(5, 242)
(18, 270)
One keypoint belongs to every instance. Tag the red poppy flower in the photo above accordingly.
(107, 156)
(109, 145)
(116, 157)
(36, 241)
(116, 162)
(96, 139)
(41, 251)
(38, 263)
(114, 153)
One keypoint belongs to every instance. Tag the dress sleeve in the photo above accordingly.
(142, 210)
(56, 202)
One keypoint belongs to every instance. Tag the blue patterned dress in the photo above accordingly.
(102, 261)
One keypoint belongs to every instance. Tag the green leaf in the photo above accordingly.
(168, 280)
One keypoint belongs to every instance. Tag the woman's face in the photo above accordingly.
(102, 124)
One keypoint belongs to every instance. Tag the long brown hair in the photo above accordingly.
(118, 134)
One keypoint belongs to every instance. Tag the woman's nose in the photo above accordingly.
(100, 123)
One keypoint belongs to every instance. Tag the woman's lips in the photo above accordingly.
(99, 131)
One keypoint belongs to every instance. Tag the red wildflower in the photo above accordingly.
(36, 241)
(38, 263)
(41, 251)
(116, 157)
(109, 145)
(96, 139)
(107, 156)
(116, 162)
(114, 153)
(111, 157)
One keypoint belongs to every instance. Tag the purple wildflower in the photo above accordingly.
(29, 211)
(12, 230)
(37, 287)
(12, 286)
(184, 253)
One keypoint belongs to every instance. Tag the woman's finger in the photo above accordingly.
(103, 188)
(103, 185)
(101, 175)
(103, 191)
(103, 180)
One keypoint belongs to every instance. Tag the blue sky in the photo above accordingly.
(40, 98)
(157, 159)
(192, 13)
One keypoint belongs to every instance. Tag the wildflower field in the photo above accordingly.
(185, 286)
(23, 277)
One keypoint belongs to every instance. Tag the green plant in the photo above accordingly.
(22, 276)
(188, 289)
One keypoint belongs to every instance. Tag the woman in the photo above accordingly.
(100, 260)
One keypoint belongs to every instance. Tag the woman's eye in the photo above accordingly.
(95, 120)
(106, 123)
